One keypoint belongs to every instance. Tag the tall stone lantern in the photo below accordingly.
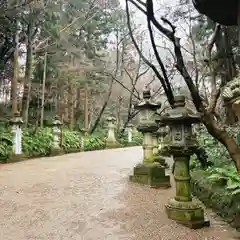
(111, 139)
(182, 145)
(149, 172)
(16, 123)
(56, 131)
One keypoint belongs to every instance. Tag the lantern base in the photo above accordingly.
(189, 214)
(112, 144)
(152, 174)
(56, 151)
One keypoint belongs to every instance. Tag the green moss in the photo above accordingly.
(152, 174)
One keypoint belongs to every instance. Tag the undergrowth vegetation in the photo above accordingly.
(222, 172)
(38, 141)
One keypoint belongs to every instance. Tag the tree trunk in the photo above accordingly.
(70, 105)
(222, 136)
(102, 109)
(77, 111)
(28, 74)
(86, 121)
(14, 81)
(60, 102)
(43, 90)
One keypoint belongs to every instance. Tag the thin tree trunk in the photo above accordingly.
(77, 111)
(102, 109)
(86, 120)
(70, 106)
(14, 81)
(28, 74)
(43, 89)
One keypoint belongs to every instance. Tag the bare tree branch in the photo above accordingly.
(169, 90)
(142, 56)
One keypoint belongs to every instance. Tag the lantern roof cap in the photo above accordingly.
(146, 102)
(220, 11)
(180, 113)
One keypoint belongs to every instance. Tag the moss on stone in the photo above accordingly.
(152, 174)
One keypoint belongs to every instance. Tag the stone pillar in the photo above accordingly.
(111, 141)
(149, 172)
(16, 123)
(155, 143)
(147, 147)
(82, 143)
(56, 131)
(129, 132)
(182, 145)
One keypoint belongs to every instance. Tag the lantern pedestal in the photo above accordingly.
(182, 208)
(152, 174)
(189, 214)
(149, 172)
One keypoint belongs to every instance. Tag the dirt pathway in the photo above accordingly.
(87, 196)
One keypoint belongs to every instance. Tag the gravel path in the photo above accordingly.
(87, 196)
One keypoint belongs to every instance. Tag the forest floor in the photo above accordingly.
(87, 196)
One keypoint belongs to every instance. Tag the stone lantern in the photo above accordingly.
(182, 145)
(16, 123)
(56, 131)
(84, 133)
(149, 172)
(231, 95)
(111, 140)
(129, 132)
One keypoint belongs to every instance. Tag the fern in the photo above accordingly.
(228, 176)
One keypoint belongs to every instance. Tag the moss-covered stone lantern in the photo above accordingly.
(111, 141)
(149, 172)
(56, 131)
(182, 145)
(231, 95)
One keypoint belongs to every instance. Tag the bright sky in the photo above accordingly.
(161, 8)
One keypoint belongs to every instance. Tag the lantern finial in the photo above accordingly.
(180, 101)
(146, 93)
